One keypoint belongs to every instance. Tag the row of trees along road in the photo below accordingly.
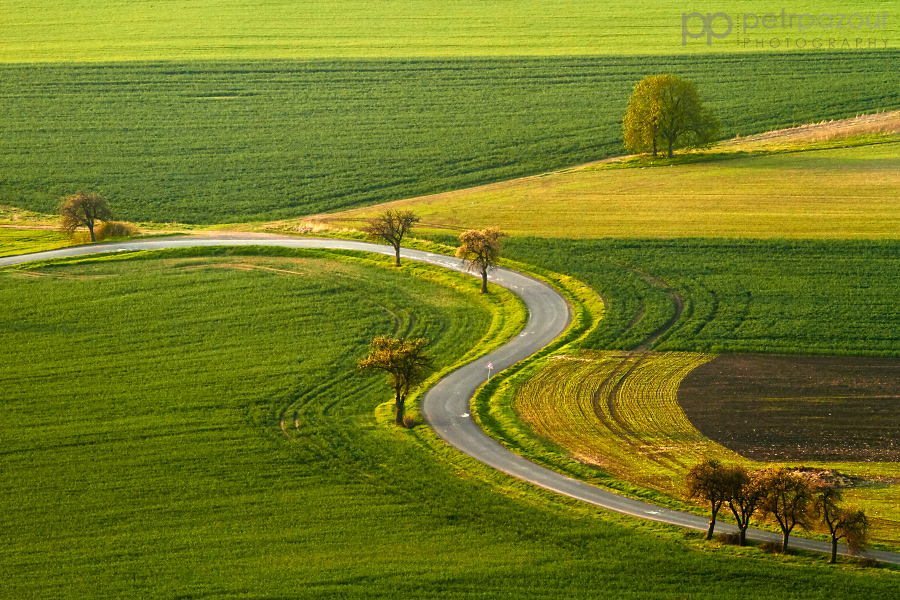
(780, 493)
(405, 360)
(665, 110)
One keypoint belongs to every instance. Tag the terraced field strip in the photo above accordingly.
(619, 410)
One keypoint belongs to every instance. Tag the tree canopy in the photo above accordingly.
(83, 209)
(390, 226)
(667, 110)
(481, 251)
(404, 361)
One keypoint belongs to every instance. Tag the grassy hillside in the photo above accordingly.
(213, 142)
(161, 470)
(65, 30)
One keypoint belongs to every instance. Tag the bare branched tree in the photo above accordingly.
(83, 209)
(390, 226)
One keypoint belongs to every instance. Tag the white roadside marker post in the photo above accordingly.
(490, 368)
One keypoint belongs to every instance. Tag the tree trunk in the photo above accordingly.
(91, 229)
(654, 146)
(670, 148)
(784, 542)
(743, 540)
(833, 550)
(397, 254)
(398, 409)
(712, 526)
(484, 281)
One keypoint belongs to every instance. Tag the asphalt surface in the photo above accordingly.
(446, 406)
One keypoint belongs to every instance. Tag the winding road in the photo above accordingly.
(446, 406)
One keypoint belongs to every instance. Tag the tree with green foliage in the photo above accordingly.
(745, 495)
(789, 499)
(480, 249)
(390, 226)
(404, 361)
(83, 209)
(668, 110)
(842, 522)
(708, 480)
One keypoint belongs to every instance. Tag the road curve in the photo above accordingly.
(446, 406)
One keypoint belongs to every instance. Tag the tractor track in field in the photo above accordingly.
(446, 405)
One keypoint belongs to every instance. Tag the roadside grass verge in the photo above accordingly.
(24, 241)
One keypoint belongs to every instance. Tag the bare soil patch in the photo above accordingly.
(785, 408)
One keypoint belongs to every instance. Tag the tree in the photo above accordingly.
(404, 361)
(842, 522)
(789, 499)
(665, 109)
(480, 250)
(707, 480)
(83, 209)
(391, 226)
(745, 496)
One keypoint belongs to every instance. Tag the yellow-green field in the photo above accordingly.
(22, 241)
(836, 193)
(107, 30)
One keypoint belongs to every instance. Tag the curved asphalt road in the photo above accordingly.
(446, 406)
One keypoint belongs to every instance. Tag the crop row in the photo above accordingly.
(767, 296)
(232, 141)
(619, 411)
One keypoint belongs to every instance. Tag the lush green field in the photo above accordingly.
(790, 297)
(844, 193)
(228, 141)
(143, 455)
(65, 30)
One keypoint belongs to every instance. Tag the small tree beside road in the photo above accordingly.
(842, 522)
(480, 250)
(404, 361)
(745, 497)
(708, 480)
(667, 110)
(83, 210)
(390, 226)
(789, 499)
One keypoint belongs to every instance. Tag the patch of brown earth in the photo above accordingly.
(786, 408)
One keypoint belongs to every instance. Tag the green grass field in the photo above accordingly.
(105, 30)
(781, 296)
(227, 141)
(161, 469)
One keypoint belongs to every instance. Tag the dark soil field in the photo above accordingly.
(785, 408)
